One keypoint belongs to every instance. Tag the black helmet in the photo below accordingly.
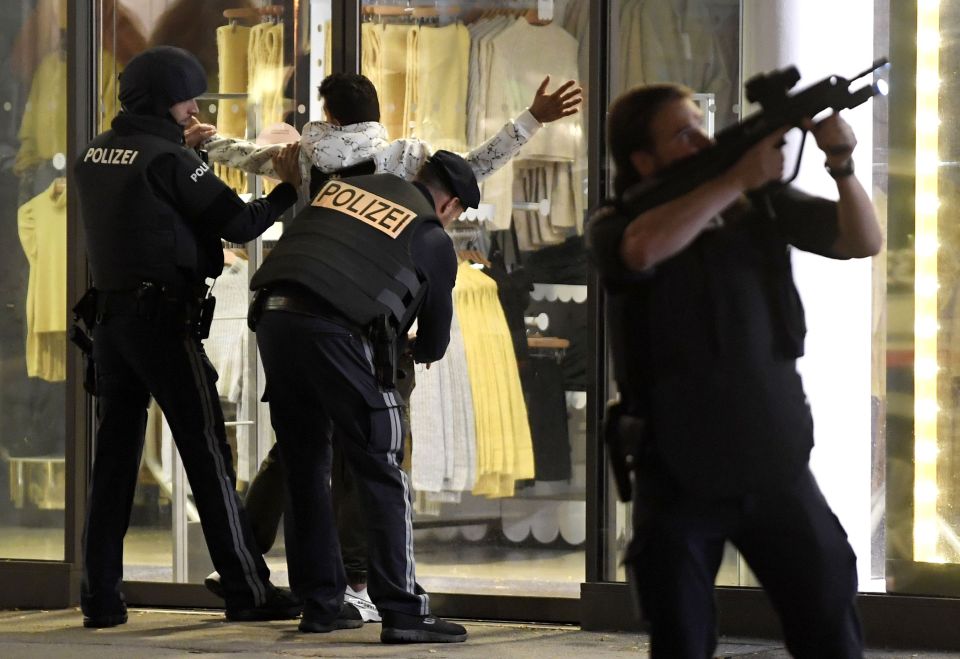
(159, 78)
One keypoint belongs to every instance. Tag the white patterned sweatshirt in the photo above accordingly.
(330, 148)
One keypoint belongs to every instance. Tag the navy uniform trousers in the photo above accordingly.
(135, 358)
(792, 541)
(320, 373)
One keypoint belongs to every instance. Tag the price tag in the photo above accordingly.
(545, 10)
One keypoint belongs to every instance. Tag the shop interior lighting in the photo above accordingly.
(926, 534)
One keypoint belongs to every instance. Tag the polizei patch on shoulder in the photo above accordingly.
(382, 214)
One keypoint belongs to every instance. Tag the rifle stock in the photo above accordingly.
(778, 109)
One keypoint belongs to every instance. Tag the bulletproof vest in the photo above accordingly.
(132, 234)
(351, 247)
(318, 177)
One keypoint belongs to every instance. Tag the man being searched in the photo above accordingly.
(706, 328)
(154, 215)
(353, 141)
(353, 135)
(335, 297)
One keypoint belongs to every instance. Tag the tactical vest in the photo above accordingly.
(351, 247)
(132, 234)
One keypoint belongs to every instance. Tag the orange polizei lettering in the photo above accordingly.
(375, 211)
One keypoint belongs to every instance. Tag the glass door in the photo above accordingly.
(33, 279)
(259, 67)
(500, 479)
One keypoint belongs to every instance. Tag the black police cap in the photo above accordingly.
(458, 175)
(159, 78)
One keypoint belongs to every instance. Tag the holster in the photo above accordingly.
(204, 317)
(625, 435)
(85, 312)
(383, 337)
(255, 310)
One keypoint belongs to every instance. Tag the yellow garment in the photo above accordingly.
(232, 44)
(265, 73)
(42, 225)
(371, 44)
(236, 179)
(504, 444)
(43, 131)
(393, 79)
(327, 48)
(439, 116)
(110, 70)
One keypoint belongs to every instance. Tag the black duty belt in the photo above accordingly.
(295, 299)
(145, 299)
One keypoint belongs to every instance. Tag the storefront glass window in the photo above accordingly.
(713, 46)
(33, 278)
(498, 425)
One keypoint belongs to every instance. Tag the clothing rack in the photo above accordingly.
(522, 10)
(234, 16)
(271, 13)
(406, 14)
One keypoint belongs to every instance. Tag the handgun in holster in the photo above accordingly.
(204, 317)
(85, 311)
(383, 337)
(623, 434)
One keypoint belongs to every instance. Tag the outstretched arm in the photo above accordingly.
(545, 108)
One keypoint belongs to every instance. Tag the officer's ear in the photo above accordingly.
(449, 209)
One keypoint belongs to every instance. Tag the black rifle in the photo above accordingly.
(778, 109)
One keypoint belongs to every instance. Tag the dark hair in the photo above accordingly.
(628, 126)
(350, 98)
(433, 179)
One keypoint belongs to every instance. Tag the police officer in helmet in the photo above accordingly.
(154, 215)
(335, 299)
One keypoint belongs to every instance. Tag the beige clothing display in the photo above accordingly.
(544, 50)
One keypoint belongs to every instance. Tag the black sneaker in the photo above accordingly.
(404, 628)
(281, 604)
(348, 618)
(212, 582)
(99, 621)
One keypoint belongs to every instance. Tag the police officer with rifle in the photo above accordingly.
(335, 299)
(154, 215)
(712, 435)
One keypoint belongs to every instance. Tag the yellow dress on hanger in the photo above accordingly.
(42, 226)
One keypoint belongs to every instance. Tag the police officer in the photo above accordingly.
(154, 215)
(706, 327)
(346, 279)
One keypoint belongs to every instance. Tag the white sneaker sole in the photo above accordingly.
(367, 610)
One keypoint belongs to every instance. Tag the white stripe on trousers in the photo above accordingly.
(247, 562)
(396, 445)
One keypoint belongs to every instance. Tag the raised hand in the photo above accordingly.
(561, 103)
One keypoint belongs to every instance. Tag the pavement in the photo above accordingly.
(163, 633)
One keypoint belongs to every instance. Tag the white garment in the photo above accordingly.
(442, 424)
(330, 147)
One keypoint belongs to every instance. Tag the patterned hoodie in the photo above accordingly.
(330, 148)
